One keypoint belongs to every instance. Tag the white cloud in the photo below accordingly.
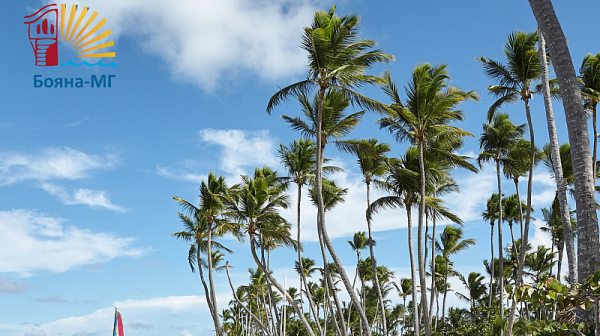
(242, 149)
(49, 164)
(179, 174)
(204, 42)
(93, 198)
(32, 242)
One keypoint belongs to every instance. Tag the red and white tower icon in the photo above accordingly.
(43, 35)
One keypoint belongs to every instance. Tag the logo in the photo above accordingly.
(82, 34)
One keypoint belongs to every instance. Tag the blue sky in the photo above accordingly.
(87, 175)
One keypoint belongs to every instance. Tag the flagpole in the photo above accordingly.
(115, 323)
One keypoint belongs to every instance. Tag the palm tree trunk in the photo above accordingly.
(560, 259)
(595, 139)
(422, 280)
(413, 272)
(445, 292)
(211, 283)
(558, 171)
(500, 255)
(374, 266)
(588, 245)
(321, 228)
(280, 288)
(525, 237)
(299, 249)
(492, 263)
(512, 236)
(516, 181)
(328, 277)
(433, 287)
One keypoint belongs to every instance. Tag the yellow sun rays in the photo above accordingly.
(84, 41)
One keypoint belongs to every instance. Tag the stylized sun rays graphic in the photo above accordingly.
(85, 40)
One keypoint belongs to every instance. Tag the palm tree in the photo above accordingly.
(338, 58)
(512, 212)
(588, 246)
(491, 214)
(213, 198)
(255, 205)
(540, 264)
(475, 288)
(424, 119)
(451, 242)
(371, 159)
(404, 290)
(497, 138)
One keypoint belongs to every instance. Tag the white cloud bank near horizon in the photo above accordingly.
(205, 42)
(32, 242)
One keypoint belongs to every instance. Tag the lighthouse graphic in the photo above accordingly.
(73, 27)
(43, 35)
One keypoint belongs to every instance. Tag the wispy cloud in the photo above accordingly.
(12, 286)
(208, 43)
(32, 242)
(53, 163)
(51, 299)
(93, 198)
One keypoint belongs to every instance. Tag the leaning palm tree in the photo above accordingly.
(338, 58)
(497, 138)
(423, 120)
(213, 198)
(255, 206)
(451, 242)
(588, 246)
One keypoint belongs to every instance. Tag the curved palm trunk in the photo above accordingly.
(500, 256)
(516, 181)
(374, 266)
(329, 279)
(321, 228)
(213, 297)
(422, 281)
(413, 272)
(525, 237)
(207, 295)
(588, 246)
(280, 288)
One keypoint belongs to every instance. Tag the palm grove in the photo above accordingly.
(524, 292)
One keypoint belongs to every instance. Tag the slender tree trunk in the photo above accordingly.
(413, 272)
(299, 250)
(560, 259)
(422, 280)
(588, 246)
(492, 263)
(595, 139)
(374, 267)
(445, 293)
(433, 287)
(525, 238)
(512, 237)
(328, 277)
(321, 228)
(211, 293)
(558, 171)
(516, 181)
(280, 288)
(500, 255)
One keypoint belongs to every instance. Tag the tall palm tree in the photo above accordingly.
(213, 198)
(512, 212)
(338, 58)
(424, 119)
(497, 138)
(588, 246)
(451, 242)
(255, 206)
(371, 160)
